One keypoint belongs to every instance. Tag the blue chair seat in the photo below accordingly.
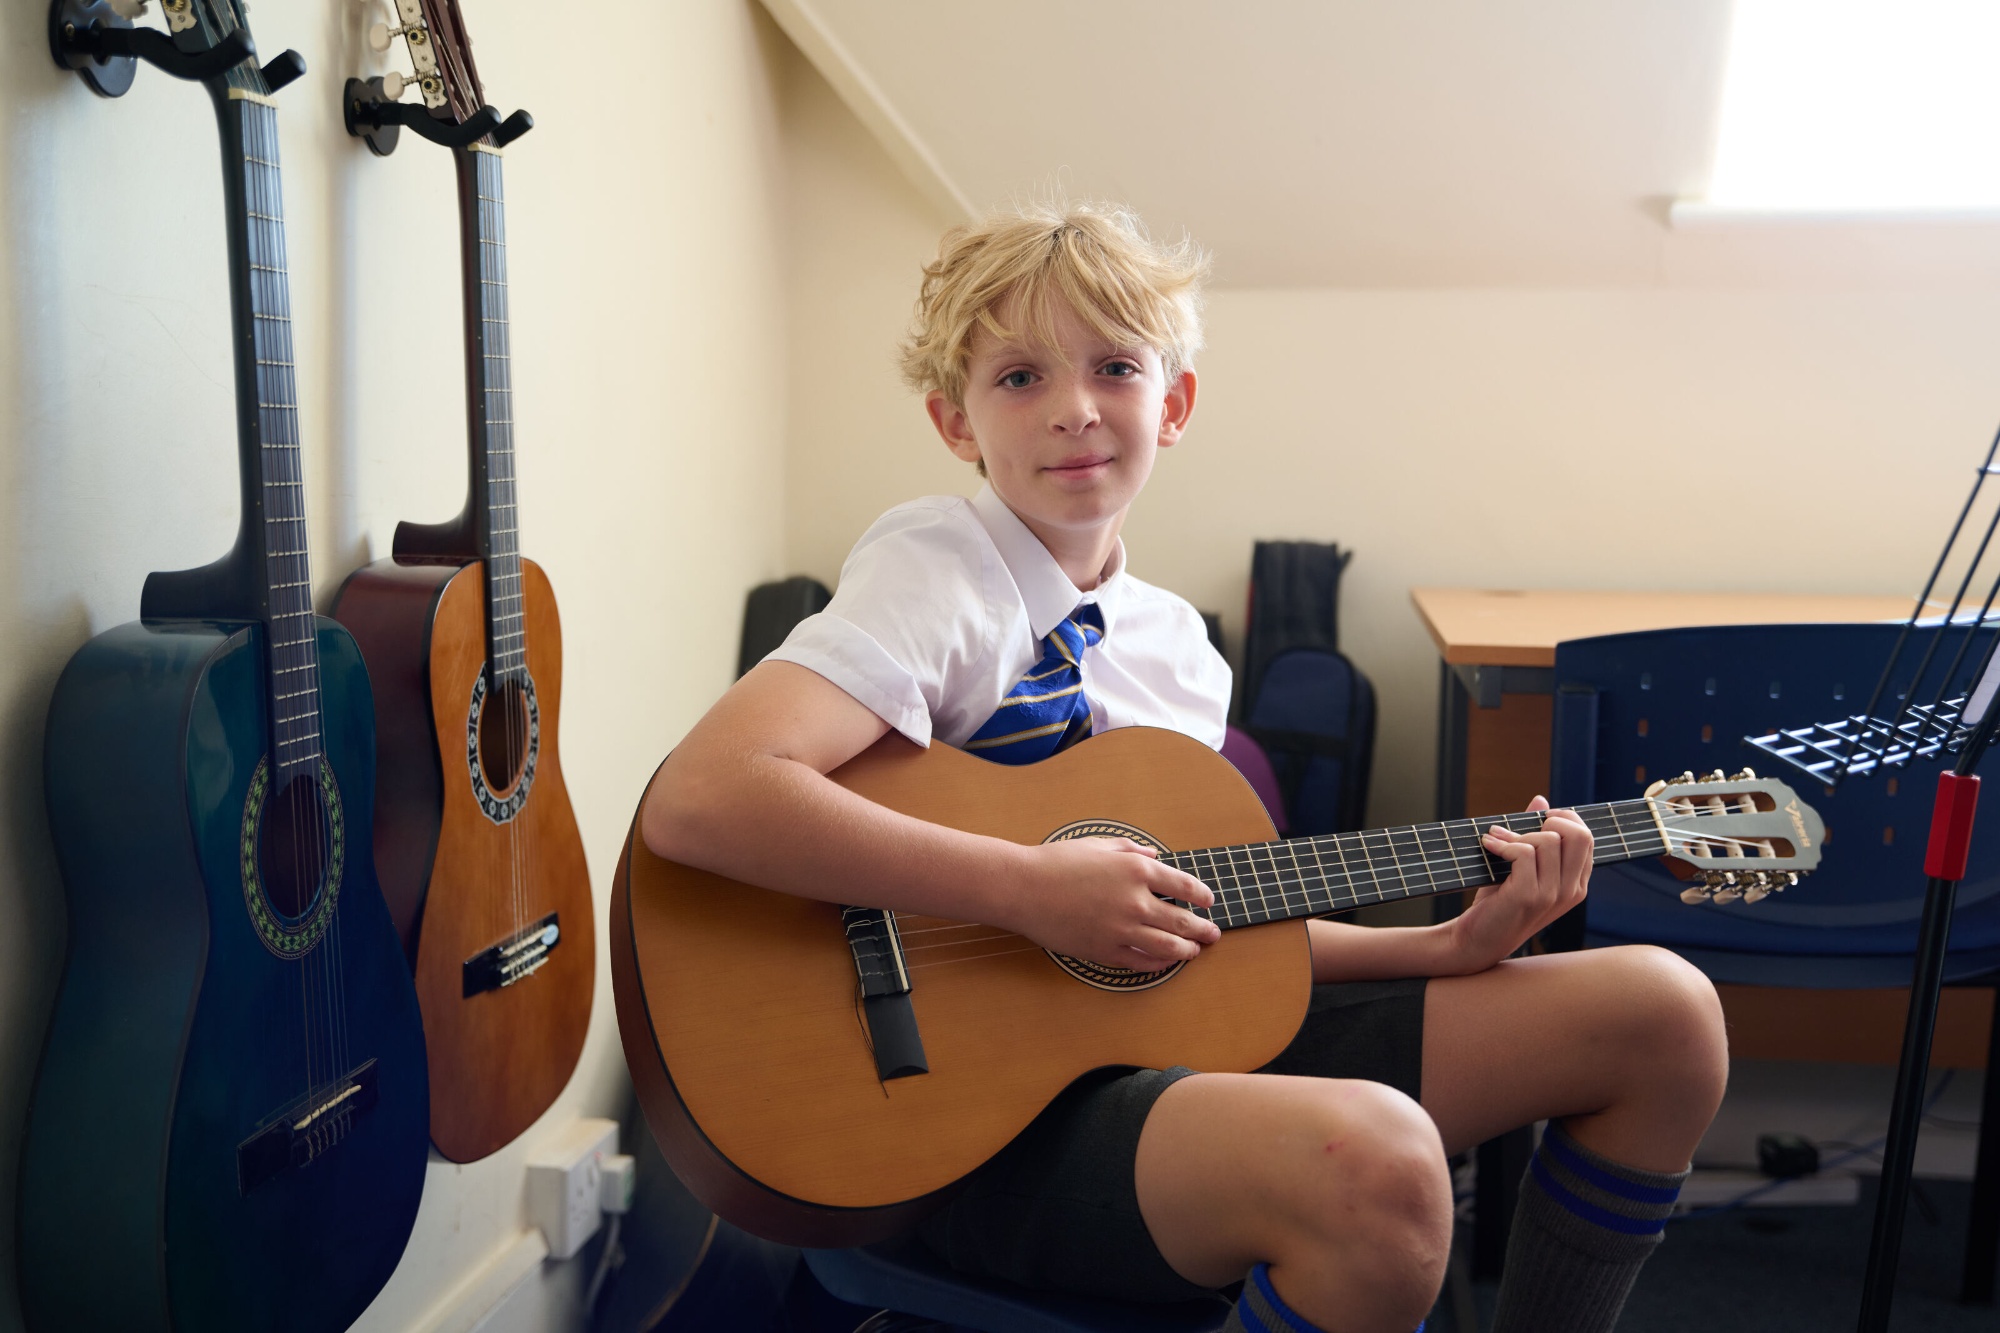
(903, 1276)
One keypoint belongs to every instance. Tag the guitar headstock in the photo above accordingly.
(1742, 836)
(440, 54)
(446, 78)
(207, 41)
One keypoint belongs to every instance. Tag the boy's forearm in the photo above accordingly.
(777, 823)
(1344, 952)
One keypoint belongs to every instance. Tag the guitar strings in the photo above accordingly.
(1270, 879)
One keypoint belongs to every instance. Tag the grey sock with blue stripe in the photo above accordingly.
(1584, 1226)
(1261, 1310)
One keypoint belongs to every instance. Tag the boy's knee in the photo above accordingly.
(1380, 1172)
(1681, 1032)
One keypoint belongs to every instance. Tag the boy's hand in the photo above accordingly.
(1549, 874)
(1105, 900)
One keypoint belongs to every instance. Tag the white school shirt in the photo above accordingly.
(942, 608)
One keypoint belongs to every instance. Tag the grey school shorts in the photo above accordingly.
(1058, 1208)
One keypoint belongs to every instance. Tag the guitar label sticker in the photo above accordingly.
(1098, 974)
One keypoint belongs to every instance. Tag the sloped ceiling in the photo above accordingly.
(1308, 142)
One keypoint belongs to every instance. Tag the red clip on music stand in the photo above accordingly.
(1932, 710)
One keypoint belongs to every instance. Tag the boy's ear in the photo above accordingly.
(953, 426)
(1176, 409)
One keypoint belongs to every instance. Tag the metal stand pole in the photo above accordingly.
(1982, 1232)
(1944, 862)
(1907, 1112)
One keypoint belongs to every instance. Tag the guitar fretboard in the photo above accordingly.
(493, 420)
(294, 653)
(1275, 881)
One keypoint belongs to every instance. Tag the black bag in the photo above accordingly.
(1303, 700)
(770, 611)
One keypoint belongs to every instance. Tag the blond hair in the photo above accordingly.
(1098, 258)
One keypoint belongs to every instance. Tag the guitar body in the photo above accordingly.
(458, 881)
(179, 1033)
(740, 1007)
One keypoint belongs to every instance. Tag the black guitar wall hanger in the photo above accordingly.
(376, 118)
(98, 42)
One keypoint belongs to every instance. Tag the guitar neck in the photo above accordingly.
(490, 406)
(1276, 881)
(276, 542)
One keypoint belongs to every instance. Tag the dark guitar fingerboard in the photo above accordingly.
(1275, 881)
(294, 659)
(492, 410)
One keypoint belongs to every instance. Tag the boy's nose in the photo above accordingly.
(1074, 411)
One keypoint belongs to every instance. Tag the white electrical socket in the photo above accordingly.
(565, 1183)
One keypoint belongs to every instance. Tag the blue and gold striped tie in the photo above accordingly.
(1047, 711)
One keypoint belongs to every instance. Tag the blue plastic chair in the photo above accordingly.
(1634, 708)
(905, 1280)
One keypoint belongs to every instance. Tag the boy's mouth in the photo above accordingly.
(1080, 466)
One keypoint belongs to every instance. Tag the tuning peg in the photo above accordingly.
(1694, 897)
(1791, 881)
(380, 35)
(1716, 776)
(1747, 775)
(128, 9)
(1687, 775)
(1756, 893)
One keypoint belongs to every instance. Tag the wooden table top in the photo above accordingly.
(1503, 627)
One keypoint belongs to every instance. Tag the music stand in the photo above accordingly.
(1937, 705)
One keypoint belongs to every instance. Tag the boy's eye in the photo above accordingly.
(1017, 379)
(1120, 368)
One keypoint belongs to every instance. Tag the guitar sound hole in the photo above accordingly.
(293, 846)
(503, 735)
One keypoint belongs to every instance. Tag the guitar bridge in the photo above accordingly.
(306, 1130)
(513, 959)
(885, 992)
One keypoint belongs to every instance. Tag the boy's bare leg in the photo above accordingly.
(1338, 1184)
(1626, 1046)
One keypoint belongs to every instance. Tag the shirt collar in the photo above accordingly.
(1045, 590)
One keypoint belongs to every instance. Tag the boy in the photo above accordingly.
(1054, 350)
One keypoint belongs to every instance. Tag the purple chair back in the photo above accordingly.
(1240, 749)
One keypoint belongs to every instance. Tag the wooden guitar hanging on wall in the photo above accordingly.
(229, 1121)
(477, 847)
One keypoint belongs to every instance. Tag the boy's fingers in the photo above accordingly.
(1188, 889)
(1183, 923)
(1165, 947)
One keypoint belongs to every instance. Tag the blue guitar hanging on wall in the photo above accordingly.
(230, 1120)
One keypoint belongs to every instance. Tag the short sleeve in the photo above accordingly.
(909, 619)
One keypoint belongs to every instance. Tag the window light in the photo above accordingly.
(1860, 106)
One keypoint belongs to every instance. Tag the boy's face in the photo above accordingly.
(1068, 434)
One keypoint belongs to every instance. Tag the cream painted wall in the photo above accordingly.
(1745, 424)
(649, 353)
(858, 236)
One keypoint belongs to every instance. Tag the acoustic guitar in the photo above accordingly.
(821, 1075)
(228, 1124)
(475, 841)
